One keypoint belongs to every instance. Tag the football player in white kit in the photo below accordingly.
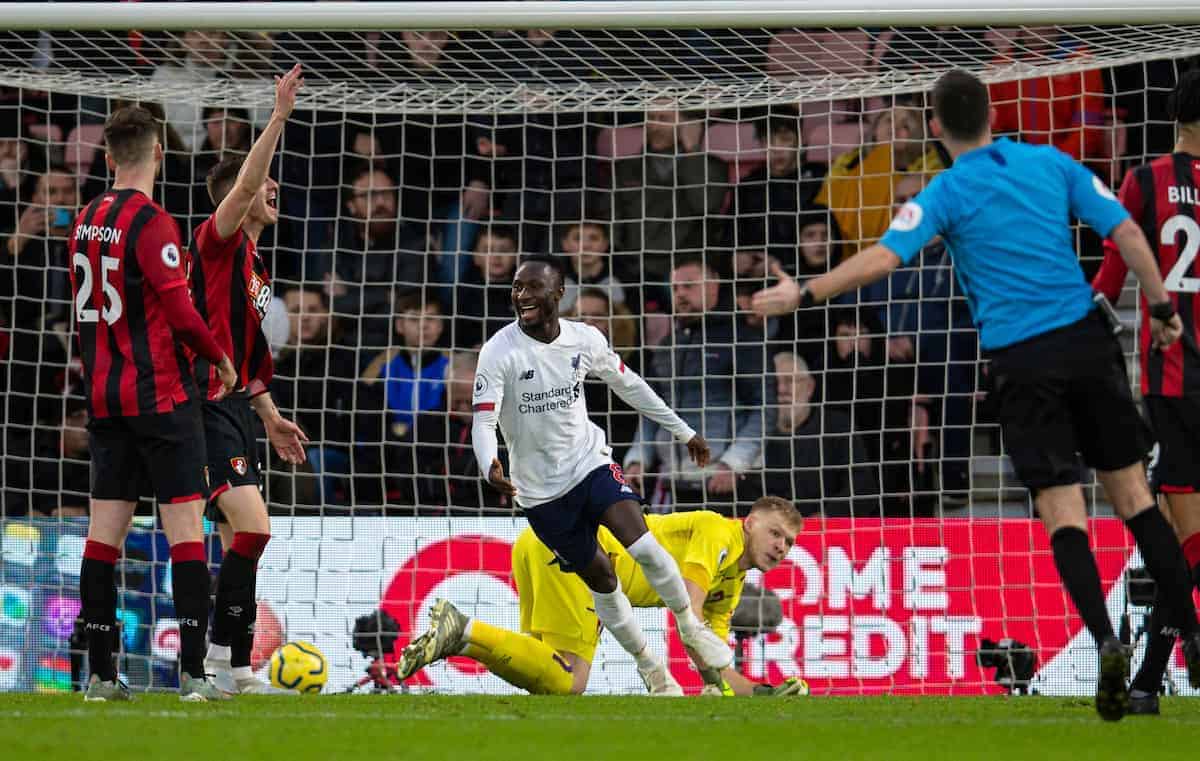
(530, 381)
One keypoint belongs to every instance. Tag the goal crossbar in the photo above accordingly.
(586, 14)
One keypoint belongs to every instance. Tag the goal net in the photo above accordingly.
(667, 167)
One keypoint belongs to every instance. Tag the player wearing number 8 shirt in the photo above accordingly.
(530, 381)
(232, 289)
(1004, 211)
(1163, 197)
(133, 314)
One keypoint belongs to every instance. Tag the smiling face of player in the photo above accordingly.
(537, 289)
(264, 209)
(769, 535)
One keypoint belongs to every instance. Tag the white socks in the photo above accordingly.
(663, 575)
(242, 672)
(615, 612)
(219, 652)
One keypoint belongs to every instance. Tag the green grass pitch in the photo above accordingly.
(474, 728)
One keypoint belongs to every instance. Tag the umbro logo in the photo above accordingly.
(527, 375)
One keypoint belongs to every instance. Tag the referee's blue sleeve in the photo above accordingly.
(1091, 199)
(916, 223)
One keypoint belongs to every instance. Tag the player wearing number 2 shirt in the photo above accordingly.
(530, 381)
(1163, 197)
(132, 313)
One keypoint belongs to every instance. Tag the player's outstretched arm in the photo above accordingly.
(1165, 325)
(286, 437)
(787, 295)
(634, 390)
(233, 208)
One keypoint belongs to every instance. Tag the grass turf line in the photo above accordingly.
(478, 728)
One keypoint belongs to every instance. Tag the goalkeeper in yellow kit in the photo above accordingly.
(561, 631)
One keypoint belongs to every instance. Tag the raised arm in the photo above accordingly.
(235, 206)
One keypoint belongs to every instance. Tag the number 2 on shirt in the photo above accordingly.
(1176, 280)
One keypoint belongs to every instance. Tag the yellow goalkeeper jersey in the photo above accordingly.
(707, 548)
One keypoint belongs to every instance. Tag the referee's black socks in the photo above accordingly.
(1164, 560)
(1077, 567)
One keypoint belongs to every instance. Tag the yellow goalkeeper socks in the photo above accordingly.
(519, 659)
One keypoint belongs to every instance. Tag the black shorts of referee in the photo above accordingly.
(1065, 395)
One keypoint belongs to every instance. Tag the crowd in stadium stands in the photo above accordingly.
(400, 235)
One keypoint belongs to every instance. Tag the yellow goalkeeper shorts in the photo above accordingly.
(556, 607)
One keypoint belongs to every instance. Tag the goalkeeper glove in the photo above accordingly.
(786, 688)
(714, 684)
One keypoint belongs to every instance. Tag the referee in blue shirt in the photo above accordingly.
(1004, 210)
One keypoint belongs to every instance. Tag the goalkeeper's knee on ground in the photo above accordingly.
(520, 660)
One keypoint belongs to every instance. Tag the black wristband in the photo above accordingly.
(806, 299)
(1162, 311)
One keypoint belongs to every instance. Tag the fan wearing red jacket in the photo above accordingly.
(232, 289)
(1164, 198)
(132, 319)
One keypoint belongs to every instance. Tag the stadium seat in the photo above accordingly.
(81, 147)
(829, 128)
(51, 133)
(736, 144)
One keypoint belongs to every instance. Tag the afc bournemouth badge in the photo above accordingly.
(239, 465)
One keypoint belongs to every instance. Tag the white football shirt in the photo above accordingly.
(535, 391)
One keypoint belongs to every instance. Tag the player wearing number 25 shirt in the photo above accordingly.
(133, 314)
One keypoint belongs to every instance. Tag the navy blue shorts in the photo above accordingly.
(568, 525)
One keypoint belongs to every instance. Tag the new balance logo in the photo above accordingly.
(527, 375)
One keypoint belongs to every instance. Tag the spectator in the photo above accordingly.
(441, 455)
(227, 131)
(768, 199)
(203, 58)
(810, 455)
(607, 410)
(858, 189)
(36, 276)
(534, 167)
(709, 369)
(879, 397)
(413, 373)
(585, 245)
(316, 384)
(1069, 111)
(666, 200)
(374, 254)
(483, 299)
(62, 470)
(929, 323)
(21, 163)
(818, 242)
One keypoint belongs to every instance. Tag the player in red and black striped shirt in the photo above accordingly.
(132, 310)
(232, 289)
(1164, 198)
